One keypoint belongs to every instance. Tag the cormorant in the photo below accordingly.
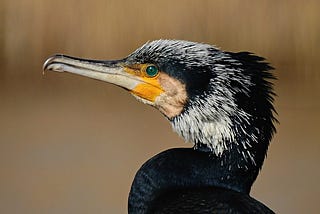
(219, 101)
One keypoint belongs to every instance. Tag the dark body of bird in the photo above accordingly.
(220, 101)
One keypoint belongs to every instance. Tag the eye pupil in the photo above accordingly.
(152, 71)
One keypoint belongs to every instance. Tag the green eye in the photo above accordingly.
(152, 70)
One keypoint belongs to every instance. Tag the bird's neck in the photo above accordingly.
(187, 168)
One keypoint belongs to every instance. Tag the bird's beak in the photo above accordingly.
(116, 72)
(107, 71)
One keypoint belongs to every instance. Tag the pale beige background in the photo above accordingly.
(72, 145)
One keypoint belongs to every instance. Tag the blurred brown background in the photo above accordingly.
(72, 145)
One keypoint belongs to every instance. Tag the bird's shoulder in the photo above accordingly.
(206, 200)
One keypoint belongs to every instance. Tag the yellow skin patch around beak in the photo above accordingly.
(166, 93)
(149, 88)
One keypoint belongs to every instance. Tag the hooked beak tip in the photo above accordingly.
(48, 64)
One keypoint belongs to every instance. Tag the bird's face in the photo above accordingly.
(211, 97)
(182, 79)
(156, 74)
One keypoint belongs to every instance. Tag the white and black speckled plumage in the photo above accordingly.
(212, 112)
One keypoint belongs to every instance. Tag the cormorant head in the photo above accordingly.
(218, 100)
